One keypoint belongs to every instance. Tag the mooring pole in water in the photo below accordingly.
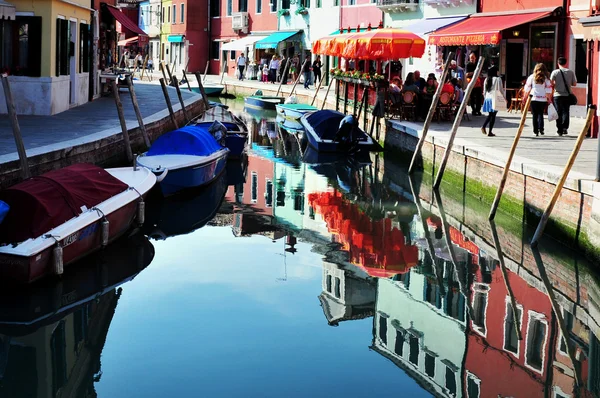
(186, 80)
(205, 71)
(511, 295)
(163, 70)
(546, 216)
(430, 114)
(456, 125)
(119, 105)
(346, 92)
(168, 100)
(327, 93)
(138, 114)
(316, 92)
(202, 92)
(284, 74)
(511, 154)
(14, 122)
(185, 114)
(299, 76)
(169, 73)
(337, 94)
(557, 312)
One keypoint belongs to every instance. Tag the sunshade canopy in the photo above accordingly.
(482, 29)
(125, 21)
(242, 44)
(126, 42)
(274, 39)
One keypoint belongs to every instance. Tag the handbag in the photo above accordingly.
(572, 97)
(498, 100)
(552, 114)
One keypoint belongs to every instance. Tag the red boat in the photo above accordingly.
(61, 216)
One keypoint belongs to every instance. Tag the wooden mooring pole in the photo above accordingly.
(14, 122)
(169, 73)
(168, 100)
(317, 92)
(284, 74)
(163, 70)
(511, 154)
(202, 92)
(185, 114)
(119, 105)
(186, 80)
(138, 114)
(299, 76)
(457, 121)
(430, 114)
(331, 83)
(205, 71)
(546, 216)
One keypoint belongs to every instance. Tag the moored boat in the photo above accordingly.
(237, 131)
(293, 112)
(188, 157)
(211, 90)
(332, 131)
(291, 126)
(262, 101)
(63, 215)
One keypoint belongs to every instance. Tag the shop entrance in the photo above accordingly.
(514, 64)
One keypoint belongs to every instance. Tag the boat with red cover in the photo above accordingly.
(63, 215)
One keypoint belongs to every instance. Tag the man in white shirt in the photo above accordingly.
(562, 80)
(241, 64)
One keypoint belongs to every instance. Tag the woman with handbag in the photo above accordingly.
(563, 79)
(540, 88)
(493, 92)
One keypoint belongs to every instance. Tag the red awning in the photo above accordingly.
(481, 29)
(125, 21)
(126, 42)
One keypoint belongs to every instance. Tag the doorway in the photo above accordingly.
(514, 64)
(72, 62)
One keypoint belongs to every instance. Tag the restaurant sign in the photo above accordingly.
(465, 39)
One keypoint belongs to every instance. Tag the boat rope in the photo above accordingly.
(99, 211)
(138, 192)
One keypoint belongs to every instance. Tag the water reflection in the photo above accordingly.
(255, 270)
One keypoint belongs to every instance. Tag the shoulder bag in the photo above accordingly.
(572, 97)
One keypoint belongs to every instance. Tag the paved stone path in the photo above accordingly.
(87, 119)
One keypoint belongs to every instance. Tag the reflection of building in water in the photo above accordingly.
(347, 294)
(61, 358)
(419, 333)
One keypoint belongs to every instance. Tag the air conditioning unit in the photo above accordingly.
(240, 21)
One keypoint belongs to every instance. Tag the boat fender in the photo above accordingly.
(105, 231)
(162, 176)
(57, 259)
(258, 93)
(219, 131)
(292, 99)
(141, 211)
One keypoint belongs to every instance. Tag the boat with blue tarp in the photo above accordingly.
(188, 157)
(332, 131)
(237, 132)
(260, 101)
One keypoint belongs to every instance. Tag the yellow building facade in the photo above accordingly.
(166, 8)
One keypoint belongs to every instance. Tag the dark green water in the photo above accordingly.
(286, 279)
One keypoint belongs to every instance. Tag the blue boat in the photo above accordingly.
(237, 131)
(334, 132)
(291, 126)
(185, 158)
(210, 90)
(262, 102)
(293, 112)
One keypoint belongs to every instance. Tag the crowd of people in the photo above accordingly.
(279, 69)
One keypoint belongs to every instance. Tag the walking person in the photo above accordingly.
(477, 93)
(306, 73)
(316, 67)
(562, 79)
(241, 64)
(273, 66)
(492, 86)
(540, 88)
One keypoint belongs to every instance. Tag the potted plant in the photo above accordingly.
(283, 12)
(347, 76)
(301, 10)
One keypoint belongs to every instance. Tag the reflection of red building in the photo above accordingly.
(372, 244)
(257, 191)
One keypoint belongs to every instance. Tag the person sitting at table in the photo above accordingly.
(427, 95)
(448, 87)
(459, 93)
(395, 90)
(410, 84)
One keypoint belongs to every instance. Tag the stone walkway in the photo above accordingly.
(87, 119)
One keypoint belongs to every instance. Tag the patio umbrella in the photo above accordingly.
(383, 44)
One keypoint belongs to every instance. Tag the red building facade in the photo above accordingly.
(359, 13)
(191, 22)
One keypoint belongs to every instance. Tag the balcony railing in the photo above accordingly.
(398, 5)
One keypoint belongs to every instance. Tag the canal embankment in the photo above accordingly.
(91, 133)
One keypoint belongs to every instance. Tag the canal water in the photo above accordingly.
(292, 279)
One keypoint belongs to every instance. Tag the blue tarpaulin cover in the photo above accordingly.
(188, 140)
(4, 208)
(326, 123)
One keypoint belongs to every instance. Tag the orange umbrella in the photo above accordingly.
(384, 44)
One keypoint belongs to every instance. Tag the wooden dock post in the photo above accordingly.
(202, 92)
(299, 75)
(119, 105)
(138, 114)
(346, 91)
(169, 73)
(331, 82)
(185, 114)
(457, 121)
(14, 122)
(186, 80)
(511, 295)
(317, 92)
(430, 114)
(546, 216)
(169, 106)
(285, 69)
(205, 71)
(163, 70)
(511, 154)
